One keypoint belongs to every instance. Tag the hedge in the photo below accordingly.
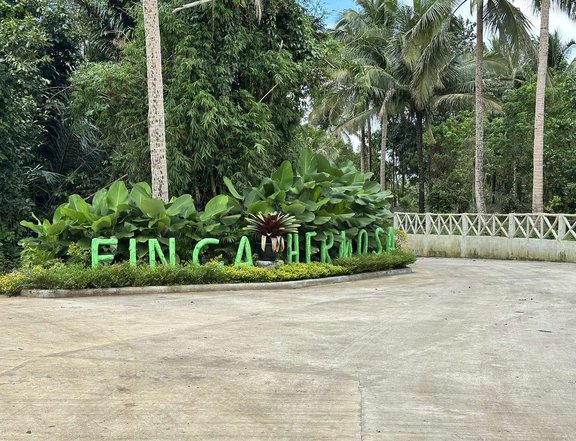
(63, 276)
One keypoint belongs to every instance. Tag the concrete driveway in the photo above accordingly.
(461, 349)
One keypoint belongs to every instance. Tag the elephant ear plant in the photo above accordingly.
(271, 227)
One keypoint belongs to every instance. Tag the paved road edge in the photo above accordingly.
(294, 284)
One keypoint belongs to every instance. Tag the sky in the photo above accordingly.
(558, 21)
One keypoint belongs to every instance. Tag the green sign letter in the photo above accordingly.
(244, 249)
(325, 246)
(133, 256)
(362, 242)
(345, 245)
(199, 246)
(390, 244)
(154, 248)
(377, 233)
(309, 237)
(97, 258)
(293, 248)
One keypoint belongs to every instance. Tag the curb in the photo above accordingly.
(132, 290)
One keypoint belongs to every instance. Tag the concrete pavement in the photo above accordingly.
(460, 349)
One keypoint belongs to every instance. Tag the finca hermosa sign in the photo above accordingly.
(244, 253)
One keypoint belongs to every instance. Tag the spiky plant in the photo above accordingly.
(272, 226)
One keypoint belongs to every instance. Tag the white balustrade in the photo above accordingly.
(513, 226)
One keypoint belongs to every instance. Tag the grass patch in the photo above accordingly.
(61, 276)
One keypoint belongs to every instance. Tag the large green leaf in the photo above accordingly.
(117, 196)
(284, 176)
(54, 229)
(305, 217)
(100, 203)
(76, 203)
(103, 223)
(180, 205)
(263, 207)
(307, 162)
(74, 215)
(215, 207)
(321, 220)
(153, 208)
(37, 228)
(295, 207)
(230, 220)
(324, 165)
(140, 192)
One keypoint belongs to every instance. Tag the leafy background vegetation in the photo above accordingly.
(243, 96)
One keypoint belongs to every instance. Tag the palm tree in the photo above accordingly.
(510, 24)
(428, 65)
(569, 7)
(559, 52)
(156, 128)
(396, 60)
(362, 81)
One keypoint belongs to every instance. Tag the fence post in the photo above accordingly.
(511, 226)
(428, 223)
(561, 227)
(465, 225)
(396, 221)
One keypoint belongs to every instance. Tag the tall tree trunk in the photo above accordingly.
(420, 149)
(370, 146)
(156, 129)
(384, 139)
(538, 177)
(363, 149)
(479, 83)
(394, 180)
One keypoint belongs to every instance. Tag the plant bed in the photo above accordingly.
(76, 277)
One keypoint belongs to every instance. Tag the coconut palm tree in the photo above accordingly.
(510, 24)
(156, 129)
(430, 66)
(569, 8)
(559, 52)
(361, 78)
(396, 60)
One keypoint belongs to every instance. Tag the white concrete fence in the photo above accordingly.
(529, 236)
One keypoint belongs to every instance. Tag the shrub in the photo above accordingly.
(315, 270)
(61, 276)
(322, 198)
(125, 214)
(12, 283)
(376, 262)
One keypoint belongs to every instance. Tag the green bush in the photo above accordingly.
(324, 199)
(77, 276)
(376, 262)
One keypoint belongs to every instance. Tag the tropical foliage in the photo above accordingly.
(320, 197)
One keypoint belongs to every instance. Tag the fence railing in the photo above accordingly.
(525, 226)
